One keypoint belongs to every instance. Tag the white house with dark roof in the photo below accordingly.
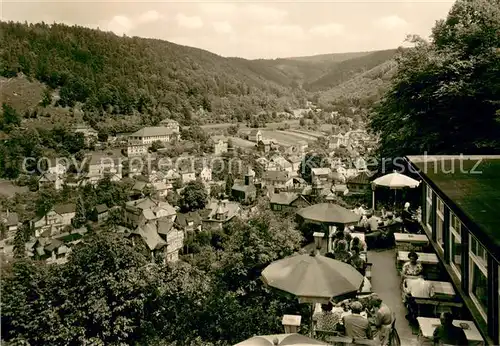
(277, 180)
(104, 165)
(220, 212)
(221, 144)
(140, 141)
(11, 223)
(287, 201)
(206, 174)
(55, 220)
(147, 209)
(50, 180)
(255, 136)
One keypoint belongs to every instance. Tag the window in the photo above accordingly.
(479, 251)
(440, 223)
(428, 209)
(455, 245)
(478, 276)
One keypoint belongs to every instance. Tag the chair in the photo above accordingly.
(326, 335)
(368, 270)
(440, 308)
(388, 239)
(394, 339)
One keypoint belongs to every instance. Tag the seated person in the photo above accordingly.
(363, 223)
(356, 242)
(415, 288)
(447, 333)
(339, 238)
(327, 320)
(406, 213)
(341, 253)
(348, 238)
(389, 219)
(373, 234)
(356, 325)
(412, 268)
(356, 261)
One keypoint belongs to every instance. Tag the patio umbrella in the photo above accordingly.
(313, 278)
(281, 339)
(328, 213)
(394, 181)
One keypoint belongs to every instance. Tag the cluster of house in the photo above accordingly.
(159, 226)
(149, 221)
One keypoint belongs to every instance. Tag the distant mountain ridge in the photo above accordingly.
(122, 75)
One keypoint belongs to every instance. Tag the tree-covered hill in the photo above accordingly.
(329, 58)
(343, 71)
(366, 87)
(108, 74)
(120, 75)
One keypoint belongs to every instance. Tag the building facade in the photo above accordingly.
(460, 204)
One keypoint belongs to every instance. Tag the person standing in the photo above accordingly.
(357, 326)
(447, 333)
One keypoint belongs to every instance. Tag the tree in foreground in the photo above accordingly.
(445, 95)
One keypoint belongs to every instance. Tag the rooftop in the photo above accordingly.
(284, 198)
(471, 185)
(153, 131)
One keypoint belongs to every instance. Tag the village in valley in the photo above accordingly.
(256, 162)
(154, 193)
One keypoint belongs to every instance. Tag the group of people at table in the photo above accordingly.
(361, 318)
(379, 230)
(367, 317)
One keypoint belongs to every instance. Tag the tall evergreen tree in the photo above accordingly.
(229, 184)
(80, 215)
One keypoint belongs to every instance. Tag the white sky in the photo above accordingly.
(259, 29)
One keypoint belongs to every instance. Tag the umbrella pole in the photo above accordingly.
(311, 334)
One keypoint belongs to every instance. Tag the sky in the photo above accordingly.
(252, 30)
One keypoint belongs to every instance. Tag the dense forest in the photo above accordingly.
(445, 94)
(122, 75)
(109, 74)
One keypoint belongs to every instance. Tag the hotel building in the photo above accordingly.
(461, 217)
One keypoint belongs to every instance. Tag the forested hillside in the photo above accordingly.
(121, 75)
(345, 70)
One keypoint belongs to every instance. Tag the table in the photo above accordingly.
(442, 289)
(429, 261)
(444, 296)
(427, 325)
(408, 241)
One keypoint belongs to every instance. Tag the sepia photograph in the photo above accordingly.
(249, 173)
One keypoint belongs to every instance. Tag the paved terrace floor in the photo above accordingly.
(385, 282)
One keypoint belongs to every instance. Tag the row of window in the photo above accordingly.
(477, 272)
